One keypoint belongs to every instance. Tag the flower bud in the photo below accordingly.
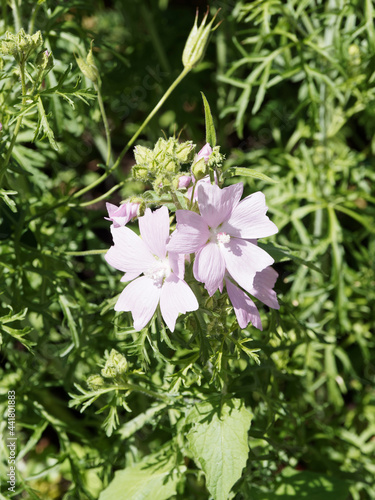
(140, 173)
(184, 181)
(115, 365)
(44, 60)
(200, 169)
(197, 42)
(88, 67)
(95, 382)
(143, 155)
(184, 151)
(204, 153)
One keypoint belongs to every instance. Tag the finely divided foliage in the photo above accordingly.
(187, 282)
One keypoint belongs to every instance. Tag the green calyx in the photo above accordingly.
(88, 66)
(197, 41)
(115, 365)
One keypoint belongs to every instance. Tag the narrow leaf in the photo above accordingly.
(210, 129)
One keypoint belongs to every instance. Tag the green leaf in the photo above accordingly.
(210, 129)
(154, 478)
(305, 484)
(218, 442)
(248, 172)
(43, 122)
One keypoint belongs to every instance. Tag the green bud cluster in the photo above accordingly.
(21, 45)
(115, 365)
(161, 165)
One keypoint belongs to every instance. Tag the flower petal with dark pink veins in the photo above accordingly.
(209, 267)
(248, 219)
(176, 298)
(243, 260)
(216, 204)
(154, 229)
(141, 297)
(244, 307)
(191, 233)
(129, 253)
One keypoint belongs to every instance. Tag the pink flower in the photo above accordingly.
(162, 281)
(121, 215)
(244, 308)
(220, 236)
(184, 181)
(205, 153)
(206, 180)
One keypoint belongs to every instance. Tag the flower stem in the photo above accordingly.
(106, 125)
(16, 15)
(32, 18)
(84, 190)
(17, 127)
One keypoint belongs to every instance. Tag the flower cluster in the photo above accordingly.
(219, 233)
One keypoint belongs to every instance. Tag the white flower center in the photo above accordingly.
(219, 237)
(159, 271)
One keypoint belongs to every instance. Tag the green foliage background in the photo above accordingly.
(291, 88)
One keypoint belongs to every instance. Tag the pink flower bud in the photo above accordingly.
(204, 153)
(184, 181)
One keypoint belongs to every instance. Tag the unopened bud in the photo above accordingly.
(44, 60)
(197, 42)
(140, 173)
(204, 153)
(95, 382)
(88, 67)
(200, 169)
(184, 181)
(143, 155)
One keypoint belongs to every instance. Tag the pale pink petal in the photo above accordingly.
(176, 298)
(141, 297)
(209, 267)
(177, 263)
(244, 307)
(121, 215)
(154, 229)
(129, 253)
(205, 180)
(130, 276)
(191, 233)
(216, 204)
(205, 153)
(263, 285)
(248, 219)
(243, 260)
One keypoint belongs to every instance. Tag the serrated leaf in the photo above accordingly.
(218, 442)
(210, 129)
(154, 478)
(248, 172)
